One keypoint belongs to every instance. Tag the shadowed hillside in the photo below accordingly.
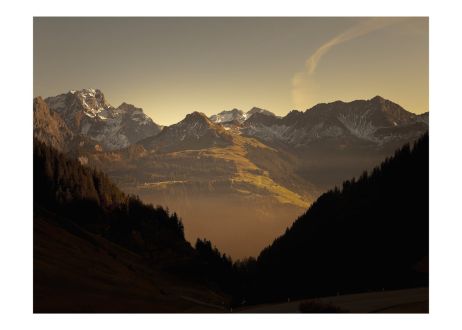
(99, 250)
(211, 170)
(370, 234)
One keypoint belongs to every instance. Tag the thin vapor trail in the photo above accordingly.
(302, 82)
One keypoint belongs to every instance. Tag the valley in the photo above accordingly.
(246, 190)
(233, 174)
(232, 164)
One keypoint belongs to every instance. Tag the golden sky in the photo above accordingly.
(173, 66)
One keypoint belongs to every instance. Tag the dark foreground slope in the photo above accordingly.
(76, 271)
(414, 300)
(371, 234)
(99, 250)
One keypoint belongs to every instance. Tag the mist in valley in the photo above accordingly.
(240, 227)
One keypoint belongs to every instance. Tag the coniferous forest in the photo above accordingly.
(91, 200)
(370, 234)
(227, 165)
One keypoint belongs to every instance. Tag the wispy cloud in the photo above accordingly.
(303, 83)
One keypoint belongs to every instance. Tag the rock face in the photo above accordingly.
(377, 121)
(255, 110)
(236, 116)
(52, 130)
(49, 127)
(251, 170)
(87, 112)
(229, 116)
(195, 131)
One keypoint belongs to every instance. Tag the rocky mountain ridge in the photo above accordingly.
(376, 121)
(86, 112)
(203, 167)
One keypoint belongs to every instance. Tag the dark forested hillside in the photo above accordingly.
(99, 250)
(88, 198)
(370, 234)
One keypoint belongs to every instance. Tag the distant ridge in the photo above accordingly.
(86, 112)
(195, 131)
(239, 116)
(376, 121)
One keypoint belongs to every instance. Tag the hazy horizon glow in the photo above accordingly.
(173, 66)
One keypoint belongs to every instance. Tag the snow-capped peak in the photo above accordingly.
(236, 115)
(228, 116)
(90, 100)
(87, 112)
(93, 101)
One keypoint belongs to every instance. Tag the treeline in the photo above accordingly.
(216, 267)
(370, 234)
(235, 278)
(88, 198)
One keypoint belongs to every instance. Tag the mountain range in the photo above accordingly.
(378, 121)
(86, 112)
(215, 167)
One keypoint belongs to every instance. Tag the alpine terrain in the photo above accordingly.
(232, 174)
